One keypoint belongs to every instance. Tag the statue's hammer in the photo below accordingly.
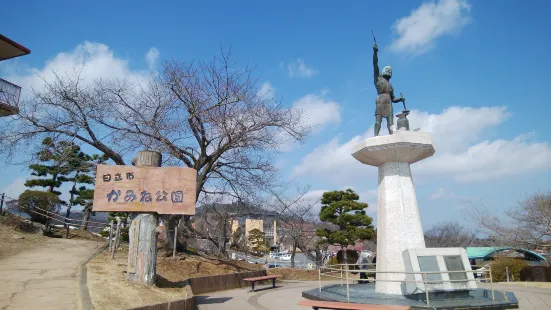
(404, 102)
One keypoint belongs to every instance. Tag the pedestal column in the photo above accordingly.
(398, 222)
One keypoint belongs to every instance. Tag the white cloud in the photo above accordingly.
(314, 197)
(318, 111)
(492, 159)
(91, 60)
(433, 19)
(266, 91)
(298, 68)
(461, 153)
(14, 189)
(457, 127)
(442, 194)
(371, 197)
(333, 161)
(151, 58)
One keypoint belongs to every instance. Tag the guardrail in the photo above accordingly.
(346, 270)
(9, 94)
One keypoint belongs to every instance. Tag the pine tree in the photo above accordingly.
(82, 195)
(55, 165)
(257, 240)
(343, 209)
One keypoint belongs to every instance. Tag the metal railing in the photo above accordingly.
(9, 93)
(332, 270)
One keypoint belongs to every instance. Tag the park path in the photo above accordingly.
(45, 276)
(285, 296)
(288, 294)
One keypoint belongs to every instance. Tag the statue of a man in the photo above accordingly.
(383, 104)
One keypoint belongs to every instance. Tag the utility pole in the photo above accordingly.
(2, 202)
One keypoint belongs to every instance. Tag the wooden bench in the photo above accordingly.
(253, 280)
(315, 304)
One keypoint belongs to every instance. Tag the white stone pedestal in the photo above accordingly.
(398, 222)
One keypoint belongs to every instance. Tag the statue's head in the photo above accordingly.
(387, 72)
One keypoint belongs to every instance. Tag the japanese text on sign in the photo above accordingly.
(164, 190)
(145, 196)
(118, 177)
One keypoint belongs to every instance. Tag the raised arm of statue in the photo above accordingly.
(394, 99)
(376, 71)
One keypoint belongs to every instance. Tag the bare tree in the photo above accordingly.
(298, 222)
(448, 234)
(208, 116)
(213, 223)
(527, 225)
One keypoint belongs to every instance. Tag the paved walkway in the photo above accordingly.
(44, 277)
(529, 298)
(290, 293)
(285, 296)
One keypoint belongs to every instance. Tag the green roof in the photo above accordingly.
(486, 252)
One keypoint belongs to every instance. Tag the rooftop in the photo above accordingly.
(487, 252)
(10, 49)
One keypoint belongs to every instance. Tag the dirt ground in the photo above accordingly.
(13, 241)
(297, 274)
(76, 234)
(187, 266)
(14, 236)
(529, 284)
(110, 290)
(195, 266)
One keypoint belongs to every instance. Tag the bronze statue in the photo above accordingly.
(383, 104)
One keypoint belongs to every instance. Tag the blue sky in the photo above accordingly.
(475, 74)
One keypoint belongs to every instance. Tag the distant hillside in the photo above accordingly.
(99, 217)
(235, 208)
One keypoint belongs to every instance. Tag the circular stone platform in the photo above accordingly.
(365, 294)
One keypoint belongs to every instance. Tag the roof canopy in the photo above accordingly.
(10, 49)
(487, 252)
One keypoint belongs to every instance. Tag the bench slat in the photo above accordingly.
(347, 306)
(261, 278)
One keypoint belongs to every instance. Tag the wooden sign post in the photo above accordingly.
(149, 190)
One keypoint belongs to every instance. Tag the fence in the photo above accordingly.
(222, 282)
(114, 236)
(344, 270)
(9, 95)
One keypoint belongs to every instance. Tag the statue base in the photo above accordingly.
(398, 222)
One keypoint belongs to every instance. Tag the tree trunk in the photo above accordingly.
(224, 239)
(344, 258)
(69, 205)
(308, 253)
(142, 251)
(86, 218)
(293, 252)
(170, 224)
(319, 258)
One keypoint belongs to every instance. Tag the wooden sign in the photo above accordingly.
(165, 190)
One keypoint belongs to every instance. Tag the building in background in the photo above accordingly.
(482, 255)
(9, 92)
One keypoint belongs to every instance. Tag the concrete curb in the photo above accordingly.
(84, 294)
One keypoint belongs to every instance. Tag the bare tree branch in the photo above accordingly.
(204, 115)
